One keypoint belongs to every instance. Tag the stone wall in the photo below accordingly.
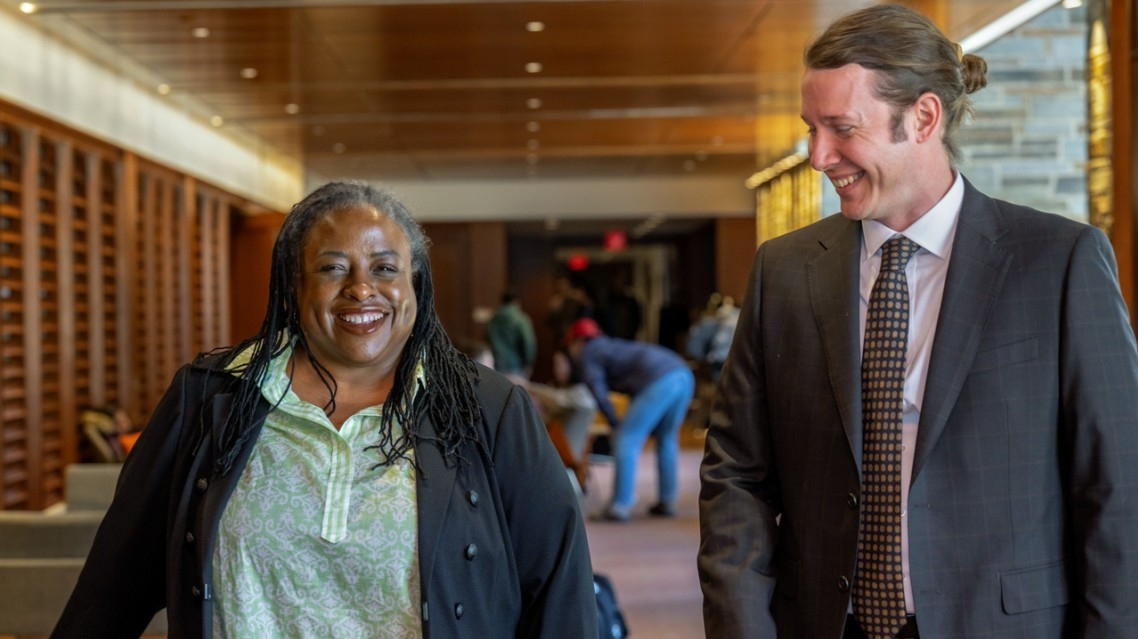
(1028, 140)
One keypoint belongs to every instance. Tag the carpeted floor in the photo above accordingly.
(651, 561)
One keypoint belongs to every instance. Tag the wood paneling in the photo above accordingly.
(490, 277)
(252, 242)
(734, 253)
(95, 300)
(531, 269)
(14, 436)
(468, 264)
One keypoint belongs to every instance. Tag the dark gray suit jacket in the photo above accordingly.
(1023, 510)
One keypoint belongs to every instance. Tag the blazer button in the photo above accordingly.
(843, 584)
(189, 538)
(851, 499)
(201, 484)
(458, 611)
(196, 592)
(472, 497)
(471, 552)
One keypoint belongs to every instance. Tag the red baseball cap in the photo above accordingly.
(584, 328)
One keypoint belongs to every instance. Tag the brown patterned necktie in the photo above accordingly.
(879, 594)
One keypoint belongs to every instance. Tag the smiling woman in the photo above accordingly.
(357, 306)
(315, 480)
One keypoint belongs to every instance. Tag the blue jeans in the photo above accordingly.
(657, 411)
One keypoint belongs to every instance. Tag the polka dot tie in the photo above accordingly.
(878, 593)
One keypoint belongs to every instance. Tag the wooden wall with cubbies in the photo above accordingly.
(114, 271)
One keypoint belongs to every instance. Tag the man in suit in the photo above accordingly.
(1018, 428)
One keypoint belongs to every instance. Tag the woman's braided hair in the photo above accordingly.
(447, 397)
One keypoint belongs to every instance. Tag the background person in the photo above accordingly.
(1017, 453)
(568, 303)
(659, 386)
(331, 476)
(709, 339)
(568, 403)
(511, 336)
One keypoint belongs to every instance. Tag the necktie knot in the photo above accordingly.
(896, 253)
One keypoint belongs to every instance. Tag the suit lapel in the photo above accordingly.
(833, 281)
(975, 275)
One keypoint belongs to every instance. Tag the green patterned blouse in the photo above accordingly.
(317, 541)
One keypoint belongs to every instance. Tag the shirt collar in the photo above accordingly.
(933, 231)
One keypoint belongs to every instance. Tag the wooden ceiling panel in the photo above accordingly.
(440, 90)
(611, 137)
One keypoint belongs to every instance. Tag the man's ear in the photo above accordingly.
(927, 115)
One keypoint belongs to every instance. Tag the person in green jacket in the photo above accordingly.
(512, 339)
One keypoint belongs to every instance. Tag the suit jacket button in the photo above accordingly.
(843, 584)
(458, 611)
(851, 499)
(196, 592)
(471, 551)
(189, 538)
(201, 484)
(472, 497)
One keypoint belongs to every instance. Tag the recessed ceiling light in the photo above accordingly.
(248, 73)
(339, 148)
(533, 145)
(535, 26)
(28, 7)
(217, 120)
(533, 67)
(533, 127)
(200, 32)
(533, 103)
(292, 108)
(163, 89)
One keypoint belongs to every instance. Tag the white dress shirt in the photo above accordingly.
(934, 232)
